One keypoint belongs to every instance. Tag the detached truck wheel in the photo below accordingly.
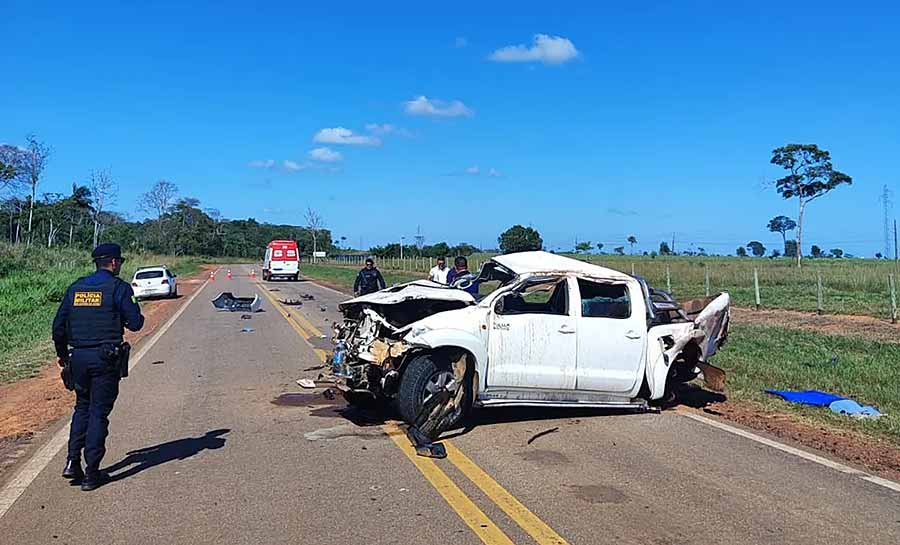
(426, 376)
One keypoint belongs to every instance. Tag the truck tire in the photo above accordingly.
(422, 375)
(174, 294)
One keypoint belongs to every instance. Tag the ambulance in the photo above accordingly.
(282, 260)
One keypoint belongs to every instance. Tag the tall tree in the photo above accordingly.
(314, 223)
(632, 240)
(782, 224)
(520, 239)
(103, 190)
(664, 248)
(158, 201)
(810, 176)
(35, 158)
(583, 246)
(600, 247)
(741, 252)
(10, 166)
(7, 173)
(620, 250)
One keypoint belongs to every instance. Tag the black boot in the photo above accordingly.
(94, 480)
(73, 470)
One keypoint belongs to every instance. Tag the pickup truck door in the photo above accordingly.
(532, 337)
(612, 336)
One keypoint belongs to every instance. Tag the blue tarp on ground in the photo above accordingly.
(807, 397)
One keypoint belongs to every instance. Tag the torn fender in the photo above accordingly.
(665, 343)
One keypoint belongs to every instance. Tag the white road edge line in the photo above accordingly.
(17, 486)
(837, 466)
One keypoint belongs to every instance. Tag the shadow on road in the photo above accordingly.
(181, 449)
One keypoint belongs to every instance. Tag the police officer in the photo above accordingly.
(369, 279)
(90, 320)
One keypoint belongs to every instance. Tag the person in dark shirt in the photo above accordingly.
(88, 327)
(369, 279)
(461, 268)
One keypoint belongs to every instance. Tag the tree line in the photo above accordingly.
(83, 217)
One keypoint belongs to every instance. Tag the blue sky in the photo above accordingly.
(621, 120)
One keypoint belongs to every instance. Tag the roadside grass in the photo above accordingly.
(33, 282)
(758, 358)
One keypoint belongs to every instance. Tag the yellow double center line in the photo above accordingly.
(486, 529)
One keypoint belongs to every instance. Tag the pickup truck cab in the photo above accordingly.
(555, 332)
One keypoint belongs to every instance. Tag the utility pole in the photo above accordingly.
(401, 248)
(895, 242)
(673, 243)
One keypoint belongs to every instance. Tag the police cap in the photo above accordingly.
(106, 250)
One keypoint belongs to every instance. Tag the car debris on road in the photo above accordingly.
(556, 332)
(227, 301)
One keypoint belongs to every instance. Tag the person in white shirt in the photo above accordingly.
(439, 272)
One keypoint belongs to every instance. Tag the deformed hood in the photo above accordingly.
(424, 290)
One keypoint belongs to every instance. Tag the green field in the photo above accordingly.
(758, 358)
(32, 283)
(849, 286)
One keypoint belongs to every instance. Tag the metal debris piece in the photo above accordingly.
(306, 383)
(307, 297)
(246, 317)
(292, 302)
(541, 434)
(328, 394)
(315, 367)
(227, 301)
(323, 308)
(247, 330)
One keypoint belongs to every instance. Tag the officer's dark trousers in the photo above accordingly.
(96, 389)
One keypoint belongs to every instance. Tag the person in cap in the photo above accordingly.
(88, 336)
(369, 279)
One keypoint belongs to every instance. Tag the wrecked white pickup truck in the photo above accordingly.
(554, 332)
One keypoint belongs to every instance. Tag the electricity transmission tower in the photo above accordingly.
(419, 238)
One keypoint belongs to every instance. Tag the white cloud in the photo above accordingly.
(546, 49)
(461, 41)
(494, 173)
(473, 170)
(422, 105)
(268, 163)
(325, 155)
(340, 135)
(292, 166)
(385, 128)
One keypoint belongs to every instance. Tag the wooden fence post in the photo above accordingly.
(668, 279)
(706, 273)
(632, 269)
(756, 285)
(819, 306)
(893, 299)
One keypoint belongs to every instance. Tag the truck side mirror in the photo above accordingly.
(499, 305)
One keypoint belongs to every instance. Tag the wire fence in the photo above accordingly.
(862, 287)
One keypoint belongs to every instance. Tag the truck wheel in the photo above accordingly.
(424, 377)
(175, 292)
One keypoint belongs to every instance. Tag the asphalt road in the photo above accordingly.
(218, 462)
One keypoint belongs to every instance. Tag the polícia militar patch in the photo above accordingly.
(88, 299)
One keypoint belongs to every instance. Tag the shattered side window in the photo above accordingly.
(600, 300)
(545, 296)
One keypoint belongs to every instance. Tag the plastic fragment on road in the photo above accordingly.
(850, 407)
(306, 383)
(227, 301)
(815, 398)
(247, 330)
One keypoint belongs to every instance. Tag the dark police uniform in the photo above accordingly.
(90, 320)
(368, 281)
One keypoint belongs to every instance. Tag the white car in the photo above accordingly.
(154, 282)
(554, 332)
